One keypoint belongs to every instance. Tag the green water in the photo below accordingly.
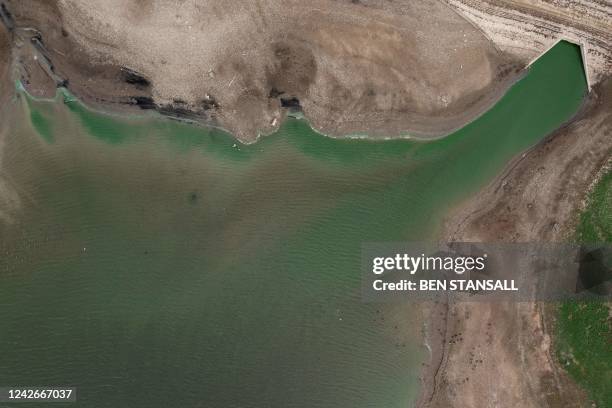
(157, 264)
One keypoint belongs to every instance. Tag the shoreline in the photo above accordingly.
(112, 109)
(400, 83)
(485, 217)
(461, 121)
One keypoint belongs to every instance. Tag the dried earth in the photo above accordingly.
(5, 60)
(376, 67)
(527, 28)
(501, 354)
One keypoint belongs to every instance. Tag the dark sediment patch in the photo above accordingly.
(292, 103)
(178, 108)
(143, 102)
(5, 58)
(292, 73)
(193, 197)
(209, 103)
(275, 93)
(6, 17)
(177, 111)
(134, 78)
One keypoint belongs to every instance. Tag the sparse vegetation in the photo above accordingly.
(584, 346)
(596, 220)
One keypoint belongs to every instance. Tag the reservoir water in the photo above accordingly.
(151, 263)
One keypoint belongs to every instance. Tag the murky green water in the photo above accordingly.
(156, 264)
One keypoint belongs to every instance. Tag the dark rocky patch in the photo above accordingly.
(143, 102)
(275, 93)
(209, 103)
(134, 78)
(292, 73)
(6, 17)
(177, 111)
(292, 103)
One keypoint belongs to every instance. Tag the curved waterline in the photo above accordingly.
(163, 264)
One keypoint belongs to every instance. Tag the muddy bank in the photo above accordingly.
(539, 194)
(9, 199)
(5, 62)
(501, 354)
(370, 67)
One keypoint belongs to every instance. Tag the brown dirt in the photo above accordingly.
(501, 354)
(8, 198)
(5, 60)
(376, 67)
(527, 28)
(536, 198)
